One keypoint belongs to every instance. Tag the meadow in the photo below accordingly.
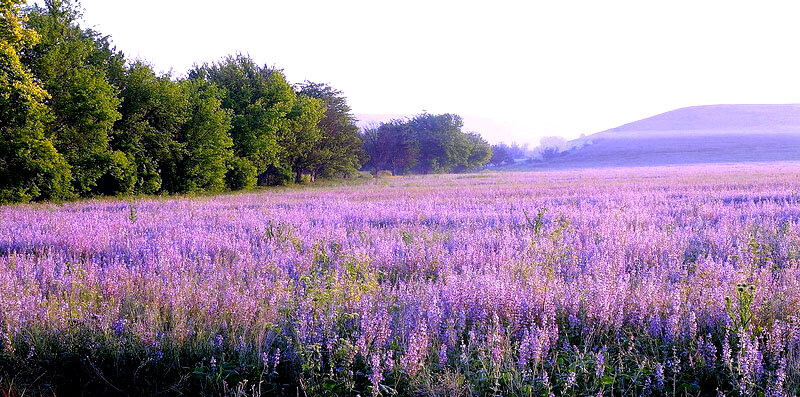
(629, 281)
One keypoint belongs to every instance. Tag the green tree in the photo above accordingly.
(259, 99)
(304, 133)
(391, 146)
(154, 112)
(272, 126)
(174, 132)
(241, 174)
(480, 152)
(425, 144)
(30, 166)
(443, 146)
(340, 149)
(501, 155)
(73, 68)
(208, 147)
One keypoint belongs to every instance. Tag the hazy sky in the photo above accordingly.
(515, 70)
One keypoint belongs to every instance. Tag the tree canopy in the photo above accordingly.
(274, 127)
(340, 148)
(79, 119)
(30, 166)
(425, 144)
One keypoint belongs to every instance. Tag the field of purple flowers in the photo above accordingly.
(659, 281)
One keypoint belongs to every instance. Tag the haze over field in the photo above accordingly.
(700, 134)
(712, 119)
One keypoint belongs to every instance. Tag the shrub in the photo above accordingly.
(241, 174)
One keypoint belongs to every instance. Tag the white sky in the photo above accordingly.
(516, 70)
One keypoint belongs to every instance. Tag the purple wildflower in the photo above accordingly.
(659, 374)
(600, 364)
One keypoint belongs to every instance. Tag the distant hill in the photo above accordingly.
(698, 134)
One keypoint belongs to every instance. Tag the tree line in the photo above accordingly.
(78, 119)
(425, 144)
(504, 154)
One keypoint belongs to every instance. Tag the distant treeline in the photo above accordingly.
(425, 144)
(549, 148)
(78, 119)
(503, 154)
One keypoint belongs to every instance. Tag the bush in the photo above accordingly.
(31, 169)
(277, 176)
(384, 174)
(119, 176)
(241, 174)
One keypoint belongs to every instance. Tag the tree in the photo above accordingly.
(500, 155)
(208, 147)
(84, 104)
(303, 134)
(175, 132)
(479, 152)
(272, 127)
(154, 111)
(441, 142)
(340, 149)
(241, 174)
(78, 119)
(425, 144)
(517, 151)
(30, 166)
(391, 146)
(258, 99)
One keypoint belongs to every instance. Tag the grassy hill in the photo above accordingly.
(693, 135)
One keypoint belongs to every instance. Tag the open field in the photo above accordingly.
(631, 281)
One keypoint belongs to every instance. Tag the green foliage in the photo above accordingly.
(340, 149)
(154, 111)
(176, 132)
(119, 176)
(208, 147)
(83, 103)
(282, 175)
(30, 166)
(500, 155)
(391, 147)
(273, 127)
(241, 174)
(740, 309)
(478, 153)
(303, 133)
(425, 144)
(79, 120)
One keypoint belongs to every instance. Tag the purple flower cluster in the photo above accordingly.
(390, 278)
